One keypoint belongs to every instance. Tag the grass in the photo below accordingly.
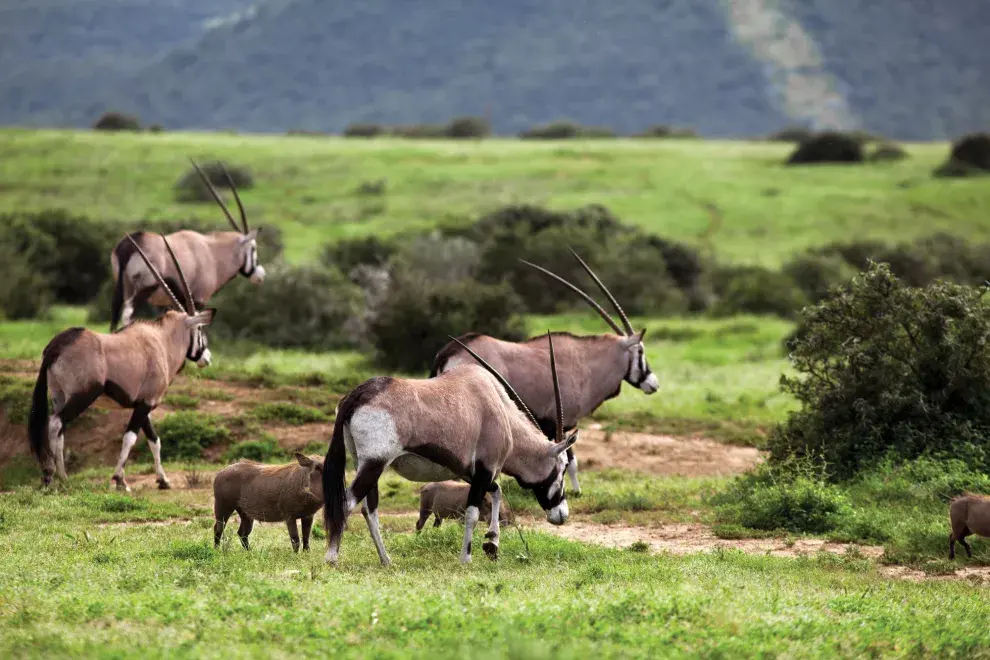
(308, 186)
(100, 586)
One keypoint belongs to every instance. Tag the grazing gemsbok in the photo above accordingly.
(134, 367)
(460, 425)
(593, 371)
(210, 261)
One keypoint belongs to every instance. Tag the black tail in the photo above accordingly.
(334, 492)
(448, 351)
(123, 251)
(38, 420)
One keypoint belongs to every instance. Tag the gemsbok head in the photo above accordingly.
(210, 261)
(467, 423)
(594, 366)
(134, 367)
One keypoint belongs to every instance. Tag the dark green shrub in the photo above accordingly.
(264, 450)
(369, 250)
(889, 370)
(185, 434)
(970, 155)
(798, 504)
(15, 398)
(364, 130)
(756, 290)
(468, 127)
(828, 147)
(190, 187)
(418, 315)
(887, 152)
(564, 130)
(816, 274)
(286, 412)
(117, 121)
(71, 253)
(24, 292)
(306, 307)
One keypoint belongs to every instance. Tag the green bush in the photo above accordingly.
(185, 434)
(24, 292)
(802, 505)
(286, 412)
(756, 290)
(264, 450)
(417, 316)
(970, 155)
(828, 147)
(369, 250)
(306, 307)
(190, 186)
(71, 253)
(116, 121)
(817, 274)
(889, 370)
(887, 152)
(15, 398)
(468, 127)
(364, 130)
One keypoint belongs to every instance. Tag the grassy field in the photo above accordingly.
(87, 572)
(308, 186)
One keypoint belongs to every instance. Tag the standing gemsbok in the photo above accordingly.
(593, 371)
(134, 367)
(463, 424)
(210, 261)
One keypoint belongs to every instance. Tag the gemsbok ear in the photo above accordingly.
(203, 317)
(637, 338)
(250, 236)
(560, 447)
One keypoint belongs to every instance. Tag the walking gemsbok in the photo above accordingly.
(594, 366)
(134, 367)
(463, 424)
(210, 261)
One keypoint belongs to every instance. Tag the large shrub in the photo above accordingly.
(24, 292)
(828, 147)
(190, 186)
(887, 369)
(792, 502)
(297, 307)
(970, 155)
(70, 252)
(817, 274)
(116, 121)
(756, 290)
(419, 314)
(184, 435)
(468, 127)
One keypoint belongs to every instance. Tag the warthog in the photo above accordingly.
(269, 493)
(448, 499)
(968, 514)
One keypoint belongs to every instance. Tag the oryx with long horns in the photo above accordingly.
(134, 367)
(210, 261)
(464, 424)
(594, 366)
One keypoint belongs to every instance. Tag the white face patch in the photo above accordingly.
(558, 514)
(638, 368)
(204, 359)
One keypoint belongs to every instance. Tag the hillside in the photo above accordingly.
(906, 69)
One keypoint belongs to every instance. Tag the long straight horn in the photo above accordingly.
(508, 388)
(158, 276)
(622, 314)
(216, 195)
(237, 198)
(588, 299)
(556, 392)
(190, 305)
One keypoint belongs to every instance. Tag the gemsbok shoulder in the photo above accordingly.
(594, 366)
(134, 367)
(210, 261)
(467, 424)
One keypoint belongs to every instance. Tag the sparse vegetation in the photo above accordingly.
(284, 412)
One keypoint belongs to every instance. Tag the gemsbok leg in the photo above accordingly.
(370, 511)
(155, 445)
(367, 477)
(490, 545)
(481, 482)
(65, 411)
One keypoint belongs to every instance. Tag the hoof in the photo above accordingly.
(120, 484)
(164, 484)
(491, 549)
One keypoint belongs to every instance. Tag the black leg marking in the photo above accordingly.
(307, 523)
(78, 403)
(366, 479)
(293, 534)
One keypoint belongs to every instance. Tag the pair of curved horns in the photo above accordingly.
(190, 307)
(216, 196)
(515, 396)
(598, 308)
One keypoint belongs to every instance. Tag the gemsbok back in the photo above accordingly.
(210, 261)
(594, 366)
(134, 367)
(462, 424)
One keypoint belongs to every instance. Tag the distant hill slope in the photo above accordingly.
(898, 67)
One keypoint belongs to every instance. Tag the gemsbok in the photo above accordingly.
(134, 367)
(594, 366)
(467, 423)
(210, 261)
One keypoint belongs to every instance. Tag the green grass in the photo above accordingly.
(307, 186)
(73, 585)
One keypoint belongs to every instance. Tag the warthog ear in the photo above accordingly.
(304, 460)
(204, 317)
(250, 236)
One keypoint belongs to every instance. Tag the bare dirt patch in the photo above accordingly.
(662, 454)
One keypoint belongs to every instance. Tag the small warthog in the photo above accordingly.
(269, 493)
(968, 514)
(448, 499)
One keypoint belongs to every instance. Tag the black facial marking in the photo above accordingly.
(541, 490)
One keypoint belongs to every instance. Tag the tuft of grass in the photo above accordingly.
(264, 450)
(181, 401)
(285, 412)
(15, 398)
